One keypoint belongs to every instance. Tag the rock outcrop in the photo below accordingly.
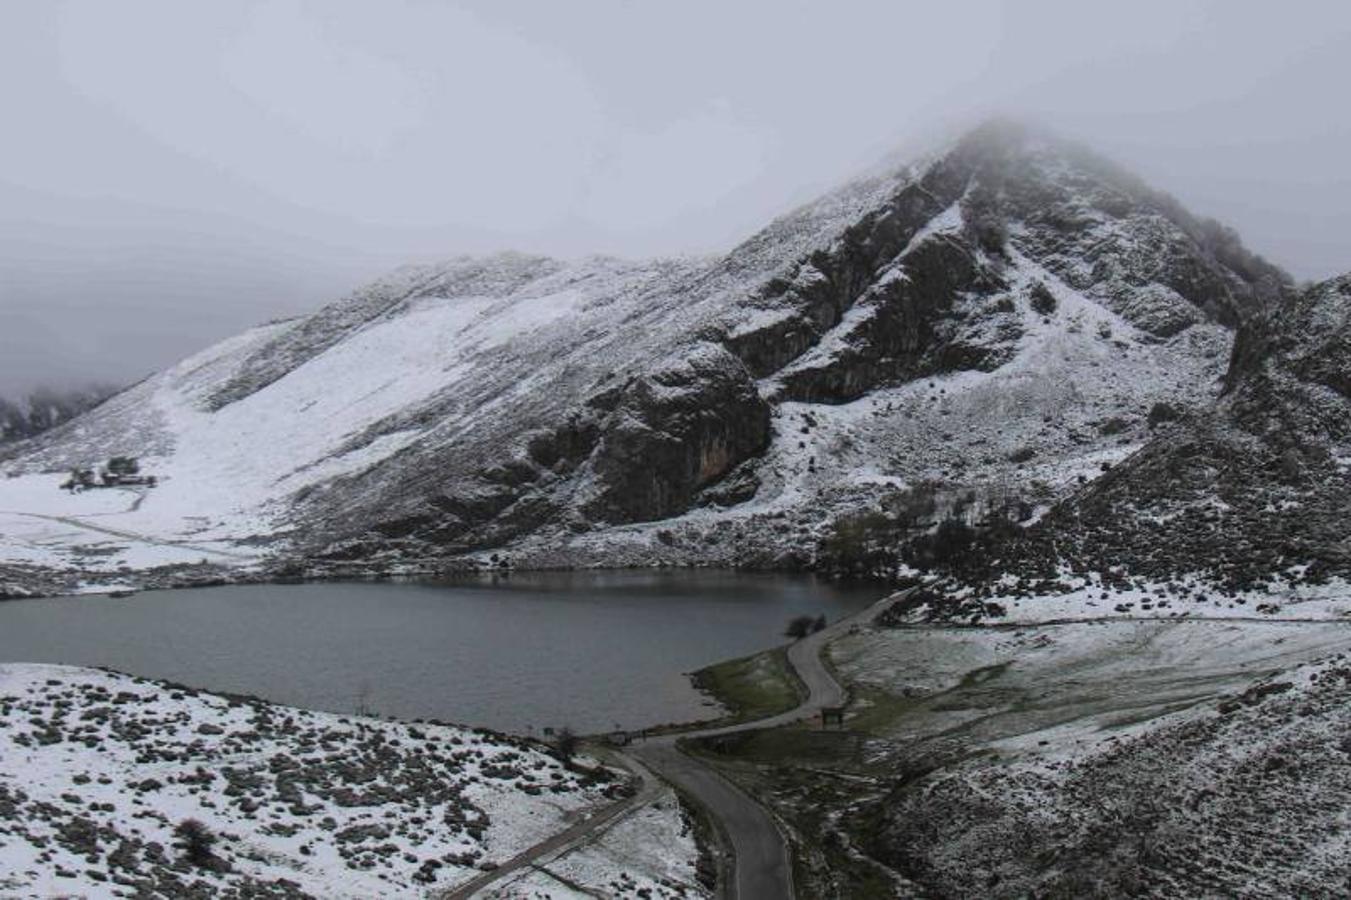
(668, 434)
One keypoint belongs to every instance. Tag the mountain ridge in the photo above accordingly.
(653, 411)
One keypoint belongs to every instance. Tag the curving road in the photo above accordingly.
(763, 865)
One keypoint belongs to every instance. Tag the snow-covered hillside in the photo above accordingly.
(101, 770)
(1000, 317)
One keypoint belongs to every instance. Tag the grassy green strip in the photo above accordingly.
(753, 687)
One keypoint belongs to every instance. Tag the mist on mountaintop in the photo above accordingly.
(172, 174)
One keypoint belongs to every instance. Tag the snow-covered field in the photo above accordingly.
(87, 533)
(1054, 690)
(1083, 597)
(98, 769)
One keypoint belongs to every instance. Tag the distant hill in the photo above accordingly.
(45, 408)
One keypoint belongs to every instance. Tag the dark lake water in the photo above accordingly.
(584, 649)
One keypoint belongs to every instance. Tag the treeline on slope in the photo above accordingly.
(46, 407)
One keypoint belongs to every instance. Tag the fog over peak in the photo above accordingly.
(172, 173)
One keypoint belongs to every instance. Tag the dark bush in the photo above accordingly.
(1041, 299)
(947, 545)
(566, 744)
(1114, 425)
(799, 627)
(860, 544)
(196, 841)
(1161, 413)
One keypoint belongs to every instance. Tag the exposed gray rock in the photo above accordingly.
(672, 433)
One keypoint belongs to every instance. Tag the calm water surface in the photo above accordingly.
(588, 650)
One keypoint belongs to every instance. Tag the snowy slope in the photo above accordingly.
(101, 768)
(699, 410)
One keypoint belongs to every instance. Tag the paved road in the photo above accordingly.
(763, 866)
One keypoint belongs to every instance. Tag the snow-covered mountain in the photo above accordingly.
(996, 320)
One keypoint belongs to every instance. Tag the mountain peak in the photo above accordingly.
(969, 320)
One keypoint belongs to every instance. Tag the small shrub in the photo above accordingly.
(1041, 299)
(1114, 425)
(1161, 413)
(196, 841)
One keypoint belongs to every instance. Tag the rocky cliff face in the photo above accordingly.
(673, 431)
(996, 320)
(904, 268)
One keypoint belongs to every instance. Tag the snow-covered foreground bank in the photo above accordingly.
(98, 769)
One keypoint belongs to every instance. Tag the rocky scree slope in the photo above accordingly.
(996, 318)
(1246, 495)
(1238, 798)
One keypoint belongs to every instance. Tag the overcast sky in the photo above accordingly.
(173, 172)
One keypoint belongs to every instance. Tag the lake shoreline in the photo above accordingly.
(396, 644)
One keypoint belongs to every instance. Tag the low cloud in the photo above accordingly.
(173, 172)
